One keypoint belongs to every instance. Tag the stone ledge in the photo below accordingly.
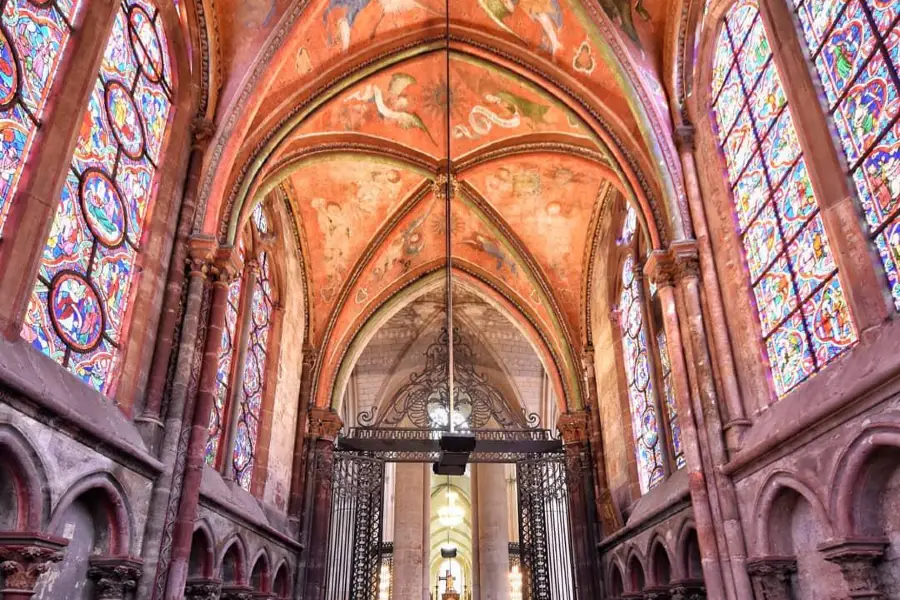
(240, 506)
(866, 376)
(38, 387)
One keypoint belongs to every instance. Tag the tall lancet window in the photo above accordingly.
(648, 373)
(33, 39)
(241, 382)
(803, 314)
(855, 47)
(78, 314)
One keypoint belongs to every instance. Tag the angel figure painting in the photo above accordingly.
(392, 105)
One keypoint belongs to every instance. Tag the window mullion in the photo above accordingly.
(850, 246)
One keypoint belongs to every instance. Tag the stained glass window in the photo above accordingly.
(668, 392)
(855, 47)
(217, 418)
(79, 307)
(253, 379)
(33, 37)
(802, 310)
(644, 420)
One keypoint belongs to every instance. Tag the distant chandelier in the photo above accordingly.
(424, 401)
(452, 514)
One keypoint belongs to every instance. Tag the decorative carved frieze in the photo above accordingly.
(113, 576)
(771, 577)
(858, 560)
(202, 589)
(24, 557)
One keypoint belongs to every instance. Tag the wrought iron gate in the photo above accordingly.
(544, 531)
(354, 539)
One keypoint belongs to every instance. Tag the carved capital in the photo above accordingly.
(657, 592)
(324, 423)
(689, 589)
(310, 355)
(684, 137)
(200, 259)
(687, 259)
(236, 592)
(858, 559)
(228, 263)
(771, 576)
(573, 426)
(24, 558)
(661, 269)
(114, 575)
(202, 131)
(202, 589)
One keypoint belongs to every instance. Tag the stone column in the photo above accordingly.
(858, 559)
(410, 554)
(771, 577)
(573, 426)
(661, 269)
(709, 420)
(298, 464)
(202, 588)
(324, 426)
(166, 492)
(493, 531)
(149, 423)
(24, 558)
(196, 448)
(736, 422)
(114, 576)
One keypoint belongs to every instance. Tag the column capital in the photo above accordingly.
(657, 592)
(113, 575)
(687, 259)
(310, 356)
(661, 269)
(771, 576)
(324, 423)
(688, 589)
(202, 589)
(229, 264)
(201, 250)
(857, 559)
(24, 557)
(202, 131)
(574, 427)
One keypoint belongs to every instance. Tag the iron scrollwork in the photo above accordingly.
(425, 402)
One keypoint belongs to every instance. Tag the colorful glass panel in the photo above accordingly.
(644, 420)
(96, 235)
(855, 47)
(217, 420)
(253, 377)
(668, 385)
(33, 38)
(628, 227)
(804, 318)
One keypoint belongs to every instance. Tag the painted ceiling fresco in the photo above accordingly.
(344, 105)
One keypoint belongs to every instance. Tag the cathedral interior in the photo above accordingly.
(449, 299)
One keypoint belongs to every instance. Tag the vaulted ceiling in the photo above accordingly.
(341, 107)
